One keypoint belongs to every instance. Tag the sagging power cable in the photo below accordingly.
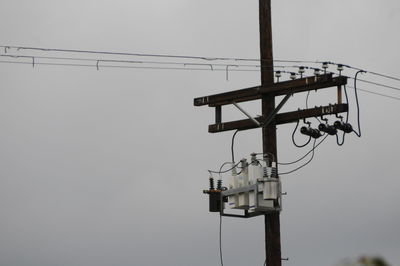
(304, 156)
(357, 103)
(309, 161)
(294, 141)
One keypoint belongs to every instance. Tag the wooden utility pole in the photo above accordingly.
(268, 121)
(272, 220)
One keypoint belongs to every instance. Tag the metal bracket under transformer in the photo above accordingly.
(258, 205)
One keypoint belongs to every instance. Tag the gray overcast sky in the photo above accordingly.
(107, 167)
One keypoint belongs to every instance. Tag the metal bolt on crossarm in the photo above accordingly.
(301, 71)
(340, 68)
(325, 66)
(278, 75)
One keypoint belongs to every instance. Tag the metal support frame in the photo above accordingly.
(246, 114)
(249, 213)
(276, 110)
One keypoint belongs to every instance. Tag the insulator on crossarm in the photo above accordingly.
(278, 74)
(311, 132)
(325, 66)
(316, 73)
(301, 71)
(340, 69)
(274, 171)
(211, 183)
(253, 158)
(292, 75)
(345, 127)
(219, 184)
(331, 130)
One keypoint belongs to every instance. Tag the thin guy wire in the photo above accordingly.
(220, 240)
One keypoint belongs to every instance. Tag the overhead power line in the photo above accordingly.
(370, 72)
(377, 84)
(19, 48)
(376, 93)
(206, 58)
(104, 60)
(309, 161)
(156, 68)
(162, 65)
(121, 66)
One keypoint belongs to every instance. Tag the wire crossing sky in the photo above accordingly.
(158, 65)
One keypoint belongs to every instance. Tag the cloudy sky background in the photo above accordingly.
(106, 167)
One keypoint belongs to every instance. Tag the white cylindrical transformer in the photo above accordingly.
(271, 189)
(233, 200)
(243, 180)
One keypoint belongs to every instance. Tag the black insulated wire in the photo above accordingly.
(220, 240)
(358, 104)
(225, 171)
(304, 156)
(294, 141)
(307, 97)
(309, 161)
(338, 141)
(232, 146)
(347, 118)
(222, 166)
